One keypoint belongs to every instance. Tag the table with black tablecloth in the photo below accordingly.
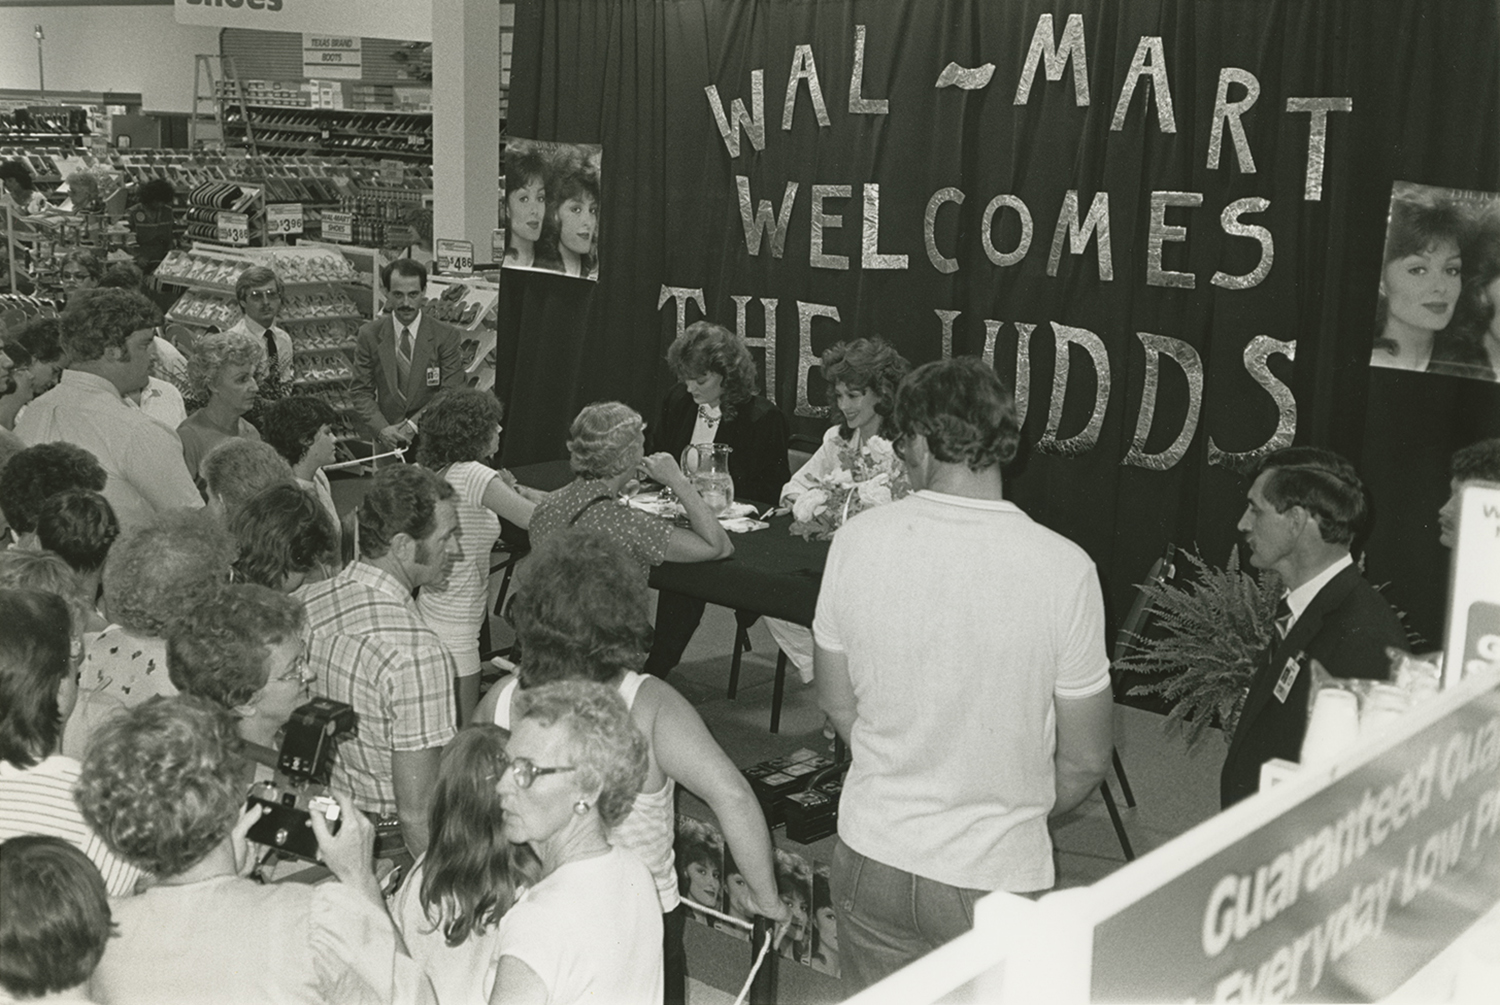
(772, 572)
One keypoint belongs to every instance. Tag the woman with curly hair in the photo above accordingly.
(243, 648)
(459, 433)
(300, 428)
(285, 539)
(715, 403)
(154, 574)
(607, 449)
(1474, 351)
(80, 269)
(570, 230)
(864, 375)
(590, 928)
(583, 616)
(163, 785)
(449, 908)
(222, 371)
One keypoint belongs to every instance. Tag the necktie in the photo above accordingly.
(1283, 618)
(403, 356)
(272, 385)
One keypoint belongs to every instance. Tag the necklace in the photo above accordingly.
(710, 418)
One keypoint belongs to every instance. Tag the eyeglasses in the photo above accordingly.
(76, 277)
(525, 771)
(262, 296)
(298, 670)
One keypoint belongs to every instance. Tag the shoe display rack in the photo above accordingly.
(334, 131)
(320, 310)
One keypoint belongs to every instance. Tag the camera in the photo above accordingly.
(299, 789)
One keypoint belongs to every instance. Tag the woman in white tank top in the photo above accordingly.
(584, 615)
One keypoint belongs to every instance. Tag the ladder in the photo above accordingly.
(211, 75)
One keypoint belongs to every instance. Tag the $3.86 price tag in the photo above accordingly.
(233, 228)
(284, 218)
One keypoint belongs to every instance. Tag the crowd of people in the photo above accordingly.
(172, 592)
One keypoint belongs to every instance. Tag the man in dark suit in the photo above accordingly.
(1306, 506)
(402, 360)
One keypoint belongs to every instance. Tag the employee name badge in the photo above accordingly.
(434, 376)
(1287, 679)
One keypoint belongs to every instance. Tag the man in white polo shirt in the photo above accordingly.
(959, 650)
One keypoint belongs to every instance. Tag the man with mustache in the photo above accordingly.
(403, 361)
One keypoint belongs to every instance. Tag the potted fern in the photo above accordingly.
(1211, 635)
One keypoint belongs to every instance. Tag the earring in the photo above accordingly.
(581, 807)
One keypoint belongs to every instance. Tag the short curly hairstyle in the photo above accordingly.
(609, 750)
(123, 276)
(964, 410)
(457, 428)
(238, 469)
(292, 424)
(602, 439)
(42, 338)
(402, 500)
(283, 532)
(257, 275)
(156, 192)
(213, 352)
(1321, 482)
(98, 320)
(37, 473)
(48, 573)
(866, 364)
(56, 920)
(158, 571)
(34, 651)
(584, 613)
(705, 347)
(80, 526)
(220, 646)
(161, 784)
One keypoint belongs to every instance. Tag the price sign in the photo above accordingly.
(455, 257)
(338, 227)
(392, 171)
(283, 218)
(233, 228)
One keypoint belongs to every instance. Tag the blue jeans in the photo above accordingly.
(888, 918)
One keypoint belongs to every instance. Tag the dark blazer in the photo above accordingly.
(757, 433)
(1346, 628)
(374, 388)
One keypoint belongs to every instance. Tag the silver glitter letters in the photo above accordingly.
(1230, 221)
(1224, 109)
(806, 358)
(1317, 138)
(1160, 232)
(1056, 57)
(929, 228)
(1257, 353)
(1084, 441)
(804, 68)
(1150, 46)
(755, 124)
(870, 256)
(1192, 367)
(826, 221)
(1096, 223)
(858, 103)
(760, 219)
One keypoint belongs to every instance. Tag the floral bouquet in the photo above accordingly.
(865, 478)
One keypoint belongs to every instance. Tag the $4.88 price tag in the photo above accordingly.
(284, 218)
(233, 228)
(455, 256)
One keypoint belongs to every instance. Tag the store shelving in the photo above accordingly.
(334, 131)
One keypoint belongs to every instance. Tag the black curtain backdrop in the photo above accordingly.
(1424, 83)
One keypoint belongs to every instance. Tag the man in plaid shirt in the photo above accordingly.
(371, 649)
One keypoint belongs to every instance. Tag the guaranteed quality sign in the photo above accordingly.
(1341, 898)
(403, 19)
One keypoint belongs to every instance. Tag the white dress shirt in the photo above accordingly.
(142, 457)
(1298, 599)
(284, 348)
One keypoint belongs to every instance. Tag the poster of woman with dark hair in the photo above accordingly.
(552, 207)
(1440, 283)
